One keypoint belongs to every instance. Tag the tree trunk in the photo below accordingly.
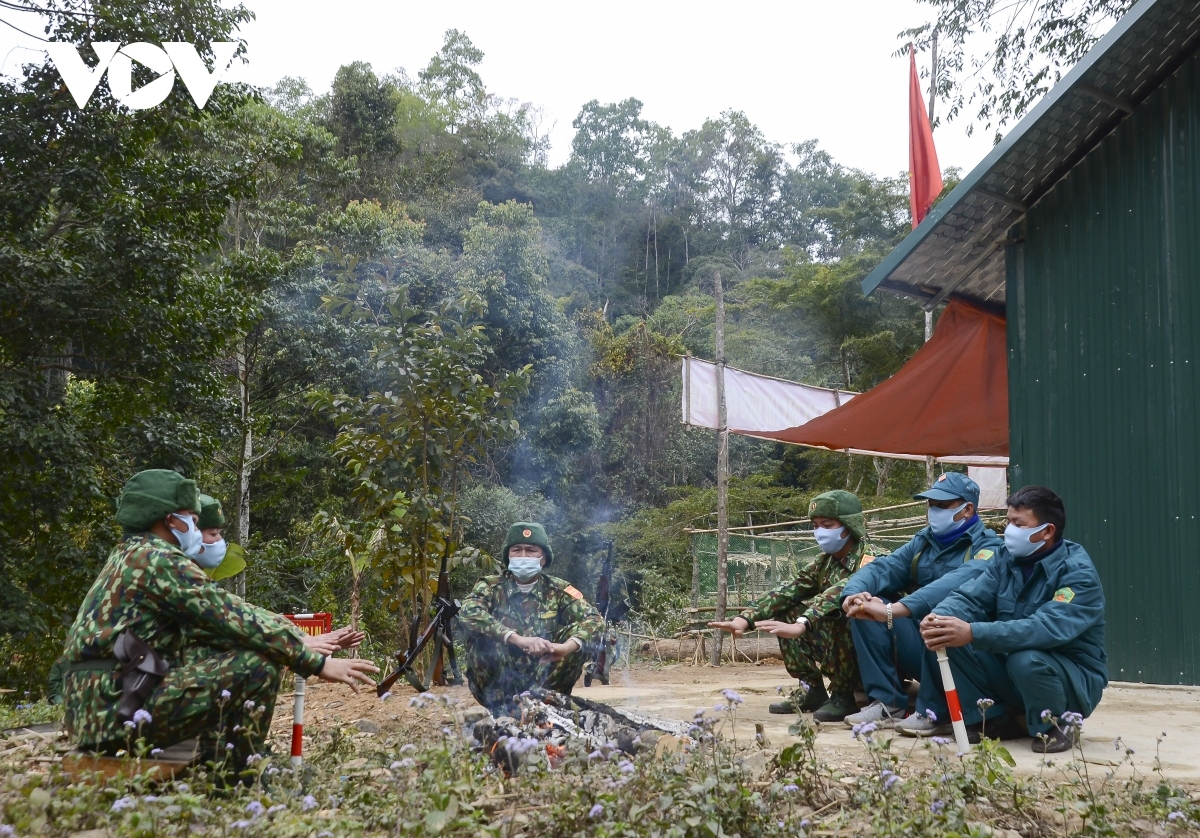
(245, 456)
(722, 474)
(883, 469)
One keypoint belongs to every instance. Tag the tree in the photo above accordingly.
(109, 309)
(409, 446)
(1035, 42)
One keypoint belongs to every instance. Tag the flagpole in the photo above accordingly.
(722, 472)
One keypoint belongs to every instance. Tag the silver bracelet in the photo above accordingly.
(889, 613)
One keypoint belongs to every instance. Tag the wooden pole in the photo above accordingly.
(929, 462)
(933, 73)
(722, 472)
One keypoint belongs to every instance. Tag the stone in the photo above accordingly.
(471, 715)
(366, 726)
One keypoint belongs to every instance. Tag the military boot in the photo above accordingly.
(836, 709)
(800, 701)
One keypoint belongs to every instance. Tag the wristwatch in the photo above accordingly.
(803, 621)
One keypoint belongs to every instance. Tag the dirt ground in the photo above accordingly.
(1137, 714)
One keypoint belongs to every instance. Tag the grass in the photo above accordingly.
(418, 783)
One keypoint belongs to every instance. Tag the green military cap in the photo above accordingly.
(149, 495)
(527, 532)
(843, 506)
(211, 513)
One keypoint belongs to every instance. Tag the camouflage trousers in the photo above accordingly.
(225, 698)
(496, 671)
(826, 649)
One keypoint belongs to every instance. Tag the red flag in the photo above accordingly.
(924, 174)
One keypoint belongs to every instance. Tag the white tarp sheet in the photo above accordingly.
(758, 404)
(754, 403)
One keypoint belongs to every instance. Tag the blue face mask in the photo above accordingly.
(830, 539)
(525, 568)
(191, 539)
(941, 521)
(211, 555)
(1016, 539)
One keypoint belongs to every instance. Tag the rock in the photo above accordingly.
(471, 715)
(667, 744)
(334, 704)
(354, 763)
(376, 773)
(755, 764)
(366, 726)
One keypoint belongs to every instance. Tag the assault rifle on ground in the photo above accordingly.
(440, 632)
(602, 650)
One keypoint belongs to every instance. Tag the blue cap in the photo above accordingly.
(952, 485)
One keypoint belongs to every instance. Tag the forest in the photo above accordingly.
(379, 326)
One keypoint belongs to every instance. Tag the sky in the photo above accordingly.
(799, 69)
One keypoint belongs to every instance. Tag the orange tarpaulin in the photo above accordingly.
(951, 399)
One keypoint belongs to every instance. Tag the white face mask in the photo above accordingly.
(191, 539)
(941, 521)
(831, 539)
(211, 555)
(1016, 539)
(525, 568)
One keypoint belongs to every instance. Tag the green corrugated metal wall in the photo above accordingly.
(1104, 345)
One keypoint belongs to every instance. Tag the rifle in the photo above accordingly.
(602, 649)
(439, 630)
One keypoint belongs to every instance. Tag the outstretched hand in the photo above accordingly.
(778, 628)
(348, 671)
(334, 641)
(737, 626)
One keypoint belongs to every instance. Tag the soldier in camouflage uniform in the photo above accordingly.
(151, 587)
(806, 615)
(525, 628)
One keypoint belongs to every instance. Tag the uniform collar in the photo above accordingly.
(850, 558)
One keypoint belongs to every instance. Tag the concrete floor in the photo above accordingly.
(1137, 714)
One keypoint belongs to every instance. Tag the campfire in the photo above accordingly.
(538, 724)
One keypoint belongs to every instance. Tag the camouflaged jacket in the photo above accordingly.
(149, 586)
(496, 606)
(817, 587)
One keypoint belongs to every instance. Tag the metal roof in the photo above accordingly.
(957, 248)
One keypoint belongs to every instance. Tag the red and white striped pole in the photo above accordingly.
(956, 717)
(298, 723)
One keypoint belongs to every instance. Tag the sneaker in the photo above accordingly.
(836, 709)
(876, 712)
(1054, 741)
(918, 724)
(782, 708)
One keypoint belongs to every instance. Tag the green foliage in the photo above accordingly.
(1028, 47)
(409, 445)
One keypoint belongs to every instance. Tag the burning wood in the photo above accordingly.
(539, 723)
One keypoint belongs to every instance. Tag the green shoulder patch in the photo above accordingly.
(984, 555)
(1064, 595)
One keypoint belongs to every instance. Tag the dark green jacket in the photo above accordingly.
(496, 606)
(940, 570)
(1060, 609)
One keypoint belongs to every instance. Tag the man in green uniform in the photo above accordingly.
(1027, 634)
(887, 599)
(151, 598)
(805, 614)
(525, 628)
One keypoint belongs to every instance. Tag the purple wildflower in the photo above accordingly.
(254, 808)
(932, 716)
(790, 788)
(941, 740)
(308, 803)
(1047, 715)
(7, 831)
(985, 704)
(626, 766)
(408, 749)
(1174, 816)
(719, 708)
(276, 809)
(386, 696)
(229, 746)
(937, 806)
(596, 811)
(123, 803)
(240, 824)
(226, 695)
(129, 725)
(155, 752)
(731, 696)
(889, 779)
(141, 717)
